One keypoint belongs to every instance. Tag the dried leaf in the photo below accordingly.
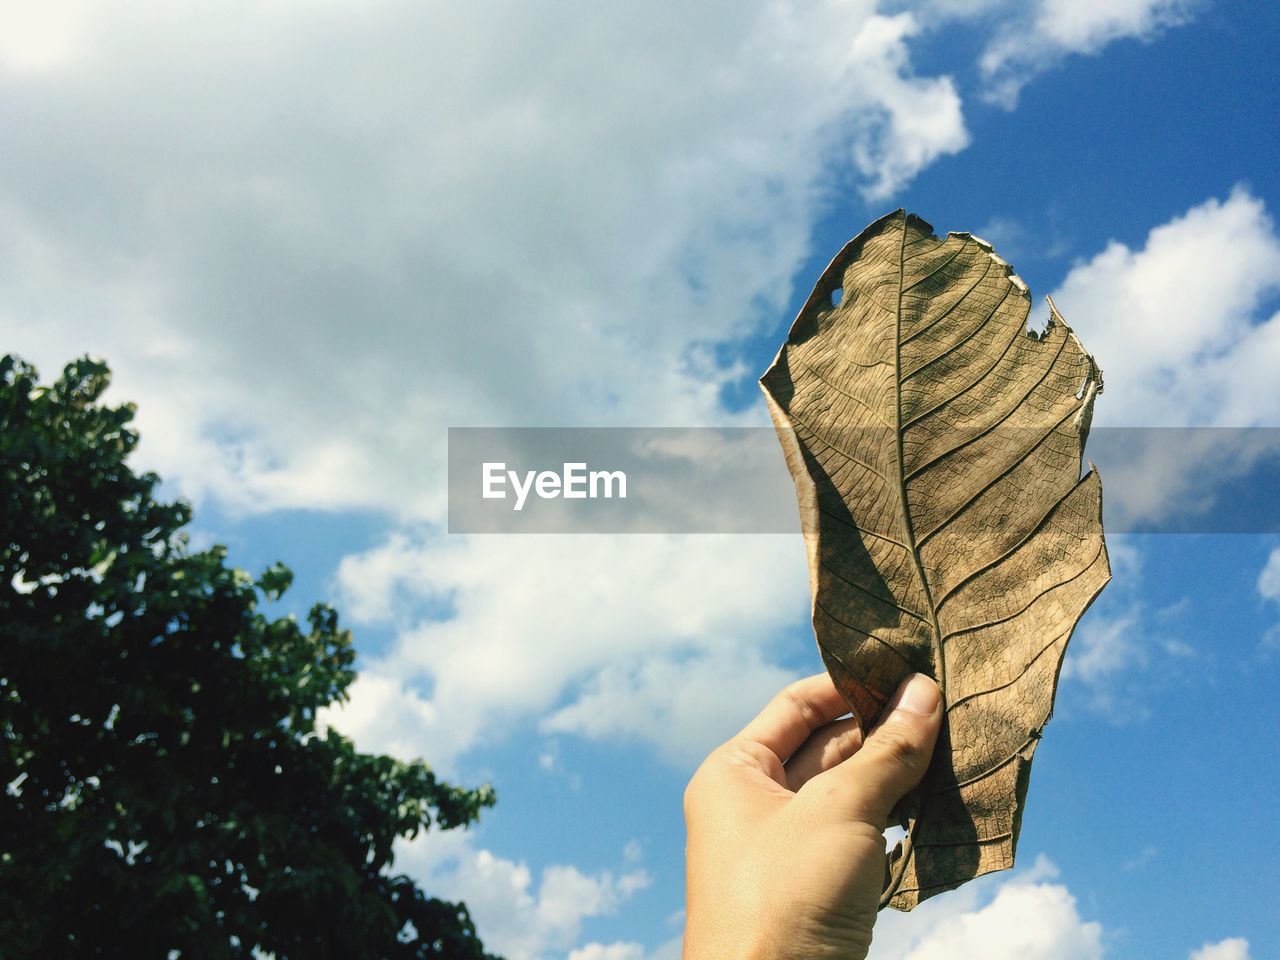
(936, 449)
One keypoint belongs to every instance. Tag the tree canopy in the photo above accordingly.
(169, 791)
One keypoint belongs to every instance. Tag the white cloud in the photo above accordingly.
(1166, 479)
(1110, 638)
(387, 713)
(1023, 922)
(1102, 647)
(670, 639)
(915, 120)
(1174, 324)
(1234, 948)
(1269, 589)
(311, 237)
(1038, 35)
(1269, 578)
(627, 951)
(1123, 646)
(1030, 915)
(1179, 328)
(514, 915)
(610, 951)
(1027, 917)
(1086, 27)
(1142, 859)
(682, 706)
(379, 584)
(40, 36)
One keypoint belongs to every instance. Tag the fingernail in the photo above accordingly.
(919, 695)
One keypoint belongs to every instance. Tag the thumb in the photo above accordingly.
(894, 757)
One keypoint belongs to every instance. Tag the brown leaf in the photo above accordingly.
(936, 450)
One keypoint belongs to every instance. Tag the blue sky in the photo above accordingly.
(309, 238)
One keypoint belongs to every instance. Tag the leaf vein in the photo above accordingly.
(1017, 546)
(1020, 459)
(871, 593)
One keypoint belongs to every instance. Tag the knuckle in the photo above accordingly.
(795, 694)
(897, 745)
(743, 753)
(848, 743)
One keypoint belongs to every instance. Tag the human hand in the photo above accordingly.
(786, 853)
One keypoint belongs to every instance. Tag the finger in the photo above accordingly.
(828, 747)
(791, 716)
(893, 759)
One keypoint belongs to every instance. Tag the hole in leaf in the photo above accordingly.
(837, 296)
(894, 835)
(1038, 323)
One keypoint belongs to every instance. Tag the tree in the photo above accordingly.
(169, 792)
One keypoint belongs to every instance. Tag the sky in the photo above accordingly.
(310, 237)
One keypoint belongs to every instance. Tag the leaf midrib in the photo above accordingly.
(908, 526)
(900, 869)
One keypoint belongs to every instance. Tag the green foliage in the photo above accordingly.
(168, 788)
